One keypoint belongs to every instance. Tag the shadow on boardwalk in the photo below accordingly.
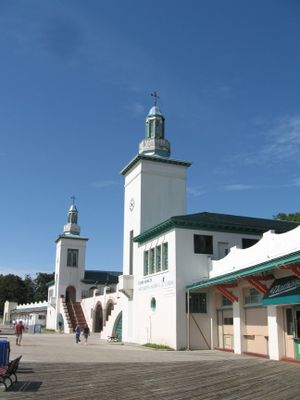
(239, 379)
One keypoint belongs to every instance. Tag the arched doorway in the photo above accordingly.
(109, 308)
(98, 318)
(118, 327)
(70, 294)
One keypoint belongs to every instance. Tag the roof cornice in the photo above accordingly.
(232, 225)
(73, 237)
(163, 160)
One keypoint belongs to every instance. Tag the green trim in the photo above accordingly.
(48, 284)
(282, 300)
(163, 160)
(206, 221)
(254, 269)
(253, 306)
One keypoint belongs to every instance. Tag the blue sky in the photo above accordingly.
(75, 84)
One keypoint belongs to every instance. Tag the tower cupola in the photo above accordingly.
(72, 228)
(155, 143)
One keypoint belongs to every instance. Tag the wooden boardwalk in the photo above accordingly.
(232, 379)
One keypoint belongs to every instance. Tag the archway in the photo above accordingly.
(70, 294)
(109, 308)
(98, 318)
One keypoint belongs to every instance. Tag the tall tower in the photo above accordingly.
(155, 185)
(155, 190)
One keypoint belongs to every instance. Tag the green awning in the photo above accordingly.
(283, 291)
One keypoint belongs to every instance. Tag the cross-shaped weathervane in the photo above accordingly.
(73, 199)
(156, 96)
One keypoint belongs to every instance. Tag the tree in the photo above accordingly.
(27, 290)
(40, 286)
(28, 282)
(294, 217)
(12, 288)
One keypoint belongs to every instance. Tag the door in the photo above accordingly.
(225, 329)
(297, 332)
(118, 327)
(256, 330)
(70, 294)
(289, 332)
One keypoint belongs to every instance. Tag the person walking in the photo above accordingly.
(86, 333)
(19, 329)
(77, 333)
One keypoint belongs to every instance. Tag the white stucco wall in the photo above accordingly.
(271, 246)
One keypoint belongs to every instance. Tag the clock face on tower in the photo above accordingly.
(131, 204)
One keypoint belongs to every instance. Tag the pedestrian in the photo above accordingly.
(77, 333)
(86, 333)
(19, 329)
(60, 326)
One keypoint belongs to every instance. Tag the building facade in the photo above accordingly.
(165, 250)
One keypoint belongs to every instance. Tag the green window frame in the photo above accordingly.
(146, 262)
(152, 261)
(158, 258)
(165, 262)
(254, 297)
(226, 302)
(198, 303)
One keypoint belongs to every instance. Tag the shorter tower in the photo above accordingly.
(70, 259)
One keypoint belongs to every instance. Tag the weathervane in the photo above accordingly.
(156, 97)
(73, 199)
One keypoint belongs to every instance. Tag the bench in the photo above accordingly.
(9, 372)
(112, 338)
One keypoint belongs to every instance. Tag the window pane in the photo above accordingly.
(158, 258)
(151, 262)
(289, 321)
(197, 303)
(226, 302)
(248, 243)
(72, 258)
(203, 244)
(146, 263)
(165, 256)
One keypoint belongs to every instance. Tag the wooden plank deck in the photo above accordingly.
(232, 379)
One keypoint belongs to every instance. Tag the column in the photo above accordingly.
(275, 332)
(238, 323)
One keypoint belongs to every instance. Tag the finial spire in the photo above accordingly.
(72, 226)
(155, 143)
(156, 97)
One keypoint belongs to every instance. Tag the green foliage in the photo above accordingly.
(294, 217)
(12, 288)
(27, 290)
(40, 286)
(157, 346)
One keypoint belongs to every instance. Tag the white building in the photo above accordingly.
(165, 249)
(73, 283)
(190, 281)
